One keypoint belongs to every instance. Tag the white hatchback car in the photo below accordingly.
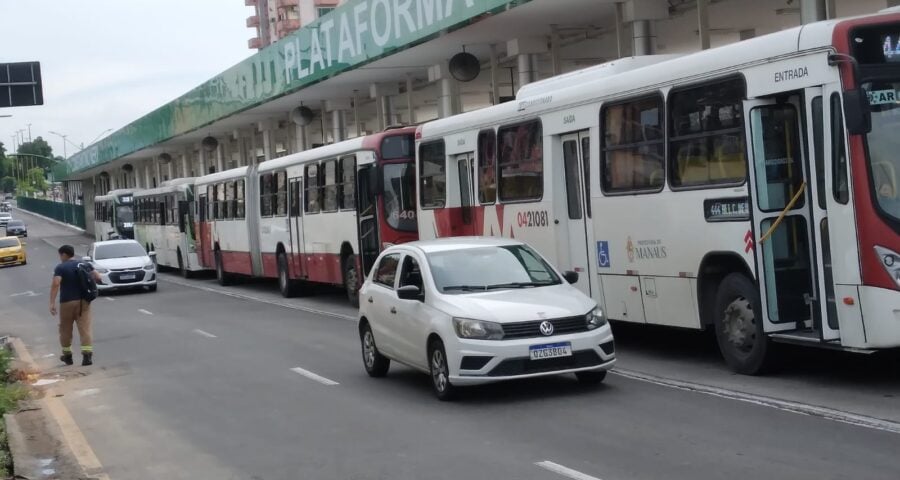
(122, 264)
(472, 310)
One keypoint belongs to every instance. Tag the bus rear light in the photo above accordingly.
(890, 260)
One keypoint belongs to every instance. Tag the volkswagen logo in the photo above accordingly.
(546, 328)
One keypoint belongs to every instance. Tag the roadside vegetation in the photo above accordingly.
(10, 395)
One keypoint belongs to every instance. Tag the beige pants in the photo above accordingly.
(77, 312)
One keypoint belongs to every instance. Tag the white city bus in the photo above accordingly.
(318, 216)
(164, 224)
(114, 215)
(749, 188)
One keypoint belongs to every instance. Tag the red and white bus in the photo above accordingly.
(318, 216)
(752, 188)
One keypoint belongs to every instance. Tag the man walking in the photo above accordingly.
(73, 308)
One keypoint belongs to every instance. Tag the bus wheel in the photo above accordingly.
(351, 281)
(181, 269)
(739, 326)
(287, 286)
(222, 277)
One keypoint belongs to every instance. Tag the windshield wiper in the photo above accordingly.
(465, 288)
(517, 285)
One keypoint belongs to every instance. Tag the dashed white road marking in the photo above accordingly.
(110, 299)
(776, 403)
(145, 312)
(205, 334)
(564, 471)
(87, 392)
(313, 376)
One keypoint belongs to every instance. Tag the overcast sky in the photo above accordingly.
(108, 62)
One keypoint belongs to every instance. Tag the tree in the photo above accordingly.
(4, 168)
(8, 184)
(38, 146)
(34, 181)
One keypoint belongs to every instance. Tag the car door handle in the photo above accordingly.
(393, 310)
(370, 300)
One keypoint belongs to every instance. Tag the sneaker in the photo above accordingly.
(66, 358)
(87, 358)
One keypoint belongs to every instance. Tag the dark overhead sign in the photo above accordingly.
(20, 84)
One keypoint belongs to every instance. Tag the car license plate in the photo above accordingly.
(550, 350)
(130, 276)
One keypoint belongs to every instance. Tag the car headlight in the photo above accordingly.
(477, 329)
(101, 270)
(890, 260)
(595, 319)
(149, 267)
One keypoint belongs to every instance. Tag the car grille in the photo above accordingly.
(525, 366)
(8, 259)
(115, 276)
(561, 326)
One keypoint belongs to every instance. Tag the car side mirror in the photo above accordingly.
(410, 292)
(571, 277)
(857, 113)
(86, 259)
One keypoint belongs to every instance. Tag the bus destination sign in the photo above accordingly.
(735, 209)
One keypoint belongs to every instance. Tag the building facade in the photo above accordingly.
(274, 19)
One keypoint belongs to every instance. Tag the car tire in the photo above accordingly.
(351, 281)
(151, 288)
(376, 364)
(222, 276)
(286, 285)
(739, 326)
(591, 377)
(439, 372)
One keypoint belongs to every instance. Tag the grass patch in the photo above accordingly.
(10, 395)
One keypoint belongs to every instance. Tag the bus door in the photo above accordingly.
(783, 220)
(577, 228)
(366, 215)
(295, 225)
(465, 167)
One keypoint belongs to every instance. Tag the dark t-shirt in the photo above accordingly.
(70, 284)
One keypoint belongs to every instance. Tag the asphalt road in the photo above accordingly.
(190, 383)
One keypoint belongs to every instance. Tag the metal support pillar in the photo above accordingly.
(554, 50)
(447, 101)
(620, 30)
(642, 37)
(338, 126)
(703, 23)
(202, 159)
(814, 10)
(495, 76)
(356, 119)
(527, 68)
(409, 100)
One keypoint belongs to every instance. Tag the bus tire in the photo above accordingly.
(351, 281)
(221, 275)
(185, 273)
(739, 326)
(286, 285)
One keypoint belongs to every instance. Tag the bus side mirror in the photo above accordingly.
(857, 114)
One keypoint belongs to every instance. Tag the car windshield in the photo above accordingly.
(119, 250)
(490, 268)
(16, 223)
(8, 242)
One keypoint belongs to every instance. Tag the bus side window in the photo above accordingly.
(312, 189)
(432, 174)
(331, 187)
(279, 194)
(228, 206)
(633, 146)
(265, 195)
(239, 199)
(521, 159)
(487, 167)
(347, 192)
(220, 201)
(840, 179)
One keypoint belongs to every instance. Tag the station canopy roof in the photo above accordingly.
(359, 43)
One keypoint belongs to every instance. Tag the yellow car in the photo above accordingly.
(12, 251)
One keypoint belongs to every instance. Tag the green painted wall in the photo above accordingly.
(356, 33)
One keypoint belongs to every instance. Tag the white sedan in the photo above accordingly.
(122, 265)
(473, 310)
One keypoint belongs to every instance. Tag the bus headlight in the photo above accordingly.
(890, 260)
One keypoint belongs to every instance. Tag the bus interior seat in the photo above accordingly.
(729, 157)
(692, 163)
(885, 177)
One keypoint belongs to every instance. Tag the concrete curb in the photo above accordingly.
(22, 462)
(51, 220)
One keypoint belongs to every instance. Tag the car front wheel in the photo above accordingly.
(440, 372)
(376, 364)
(591, 377)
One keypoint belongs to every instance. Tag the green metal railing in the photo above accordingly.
(64, 212)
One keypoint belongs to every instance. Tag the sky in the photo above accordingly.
(106, 63)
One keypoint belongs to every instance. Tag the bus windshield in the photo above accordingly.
(884, 143)
(124, 214)
(400, 196)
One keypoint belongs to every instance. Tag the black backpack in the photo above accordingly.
(87, 283)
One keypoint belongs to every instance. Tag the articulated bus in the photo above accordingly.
(751, 188)
(114, 215)
(164, 224)
(318, 216)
